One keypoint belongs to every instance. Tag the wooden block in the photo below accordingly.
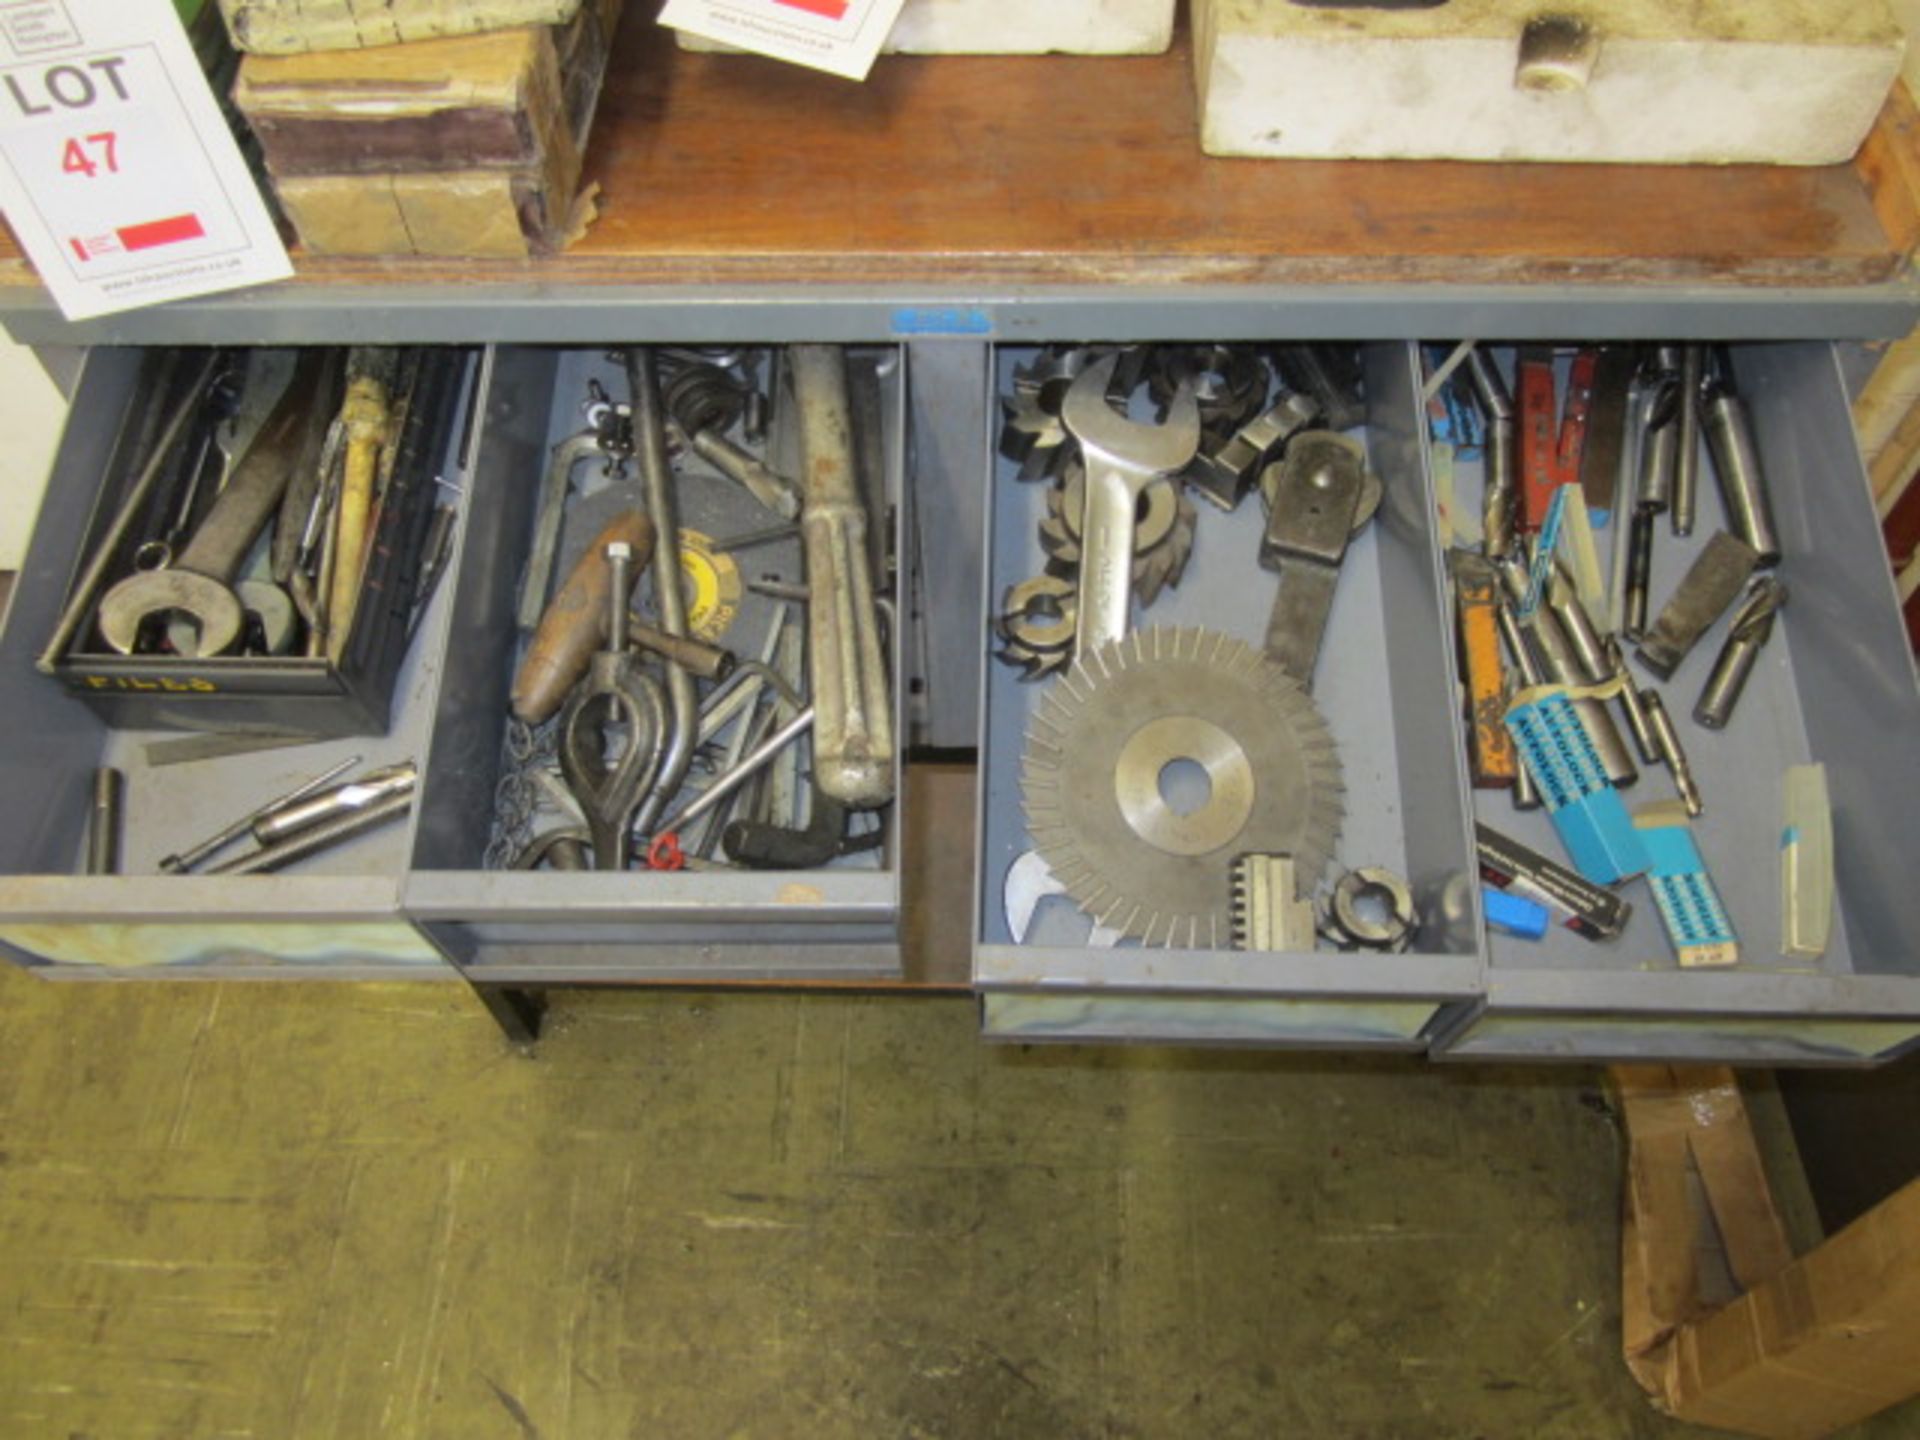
(294, 27)
(479, 213)
(511, 98)
(441, 104)
(1889, 161)
(469, 146)
(350, 215)
(1888, 394)
(1898, 457)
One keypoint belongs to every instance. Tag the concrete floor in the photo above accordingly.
(309, 1210)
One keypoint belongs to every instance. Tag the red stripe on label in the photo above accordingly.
(78, 248)
(170, 231)
(831, 9)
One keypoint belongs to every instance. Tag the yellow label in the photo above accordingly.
(192, 685)
(711, 582)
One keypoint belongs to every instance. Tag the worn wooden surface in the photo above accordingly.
(1889, 163)
(1004, 170)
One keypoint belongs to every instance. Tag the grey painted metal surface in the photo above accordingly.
(1835, 684)
(953, 411)
(560, 313)
(1385, 684)
(337, 914)
(512, 927)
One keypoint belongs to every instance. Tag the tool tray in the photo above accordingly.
(338, 914)
(319, 696)
(1835, 683)
(506, 926)
(1384, 685)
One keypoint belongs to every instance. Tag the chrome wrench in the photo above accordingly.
(1123, 457)
(199, 583)
(1029, 881)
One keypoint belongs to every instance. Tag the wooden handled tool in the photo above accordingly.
(574, 624)
(364, 415)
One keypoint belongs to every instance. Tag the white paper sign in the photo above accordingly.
(117, 171)
(838, 36)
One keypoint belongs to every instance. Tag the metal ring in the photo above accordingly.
(1038, 614)
(1381, 883)
(1230, 784)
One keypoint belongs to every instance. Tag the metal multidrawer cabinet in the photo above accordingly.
(338, 916)
(1385, 686)
(1835, 684)
(512, 927)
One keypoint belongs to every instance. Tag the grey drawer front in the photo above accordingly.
(1835, 684)
(338, 915)
(1385, 685)
(524, 927)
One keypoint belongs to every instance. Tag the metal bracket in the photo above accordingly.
(1318, 497)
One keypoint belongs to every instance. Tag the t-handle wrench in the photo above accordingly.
(853, 757)
(1122, 457)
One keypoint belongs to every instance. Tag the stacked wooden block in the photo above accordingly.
(1887, 415)
(436, 135)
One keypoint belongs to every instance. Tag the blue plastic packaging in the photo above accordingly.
(1514, 914)
(1586, 810)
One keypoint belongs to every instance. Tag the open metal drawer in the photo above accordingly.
(1835, 684)
(528, 928)
(1385, 686)
(338, 916)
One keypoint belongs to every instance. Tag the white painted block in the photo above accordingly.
(1020, 27)
(1791, 82)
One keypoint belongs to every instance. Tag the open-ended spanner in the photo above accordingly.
(1122, 457)
(1029, 881)
(198, 583)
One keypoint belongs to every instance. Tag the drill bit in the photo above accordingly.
(1752, 625)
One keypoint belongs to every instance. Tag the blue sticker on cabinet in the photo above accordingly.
(942, 320)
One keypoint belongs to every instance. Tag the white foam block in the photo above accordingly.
(1021, 27)
(1792, 82)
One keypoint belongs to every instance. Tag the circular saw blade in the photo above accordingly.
(1090, 775)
